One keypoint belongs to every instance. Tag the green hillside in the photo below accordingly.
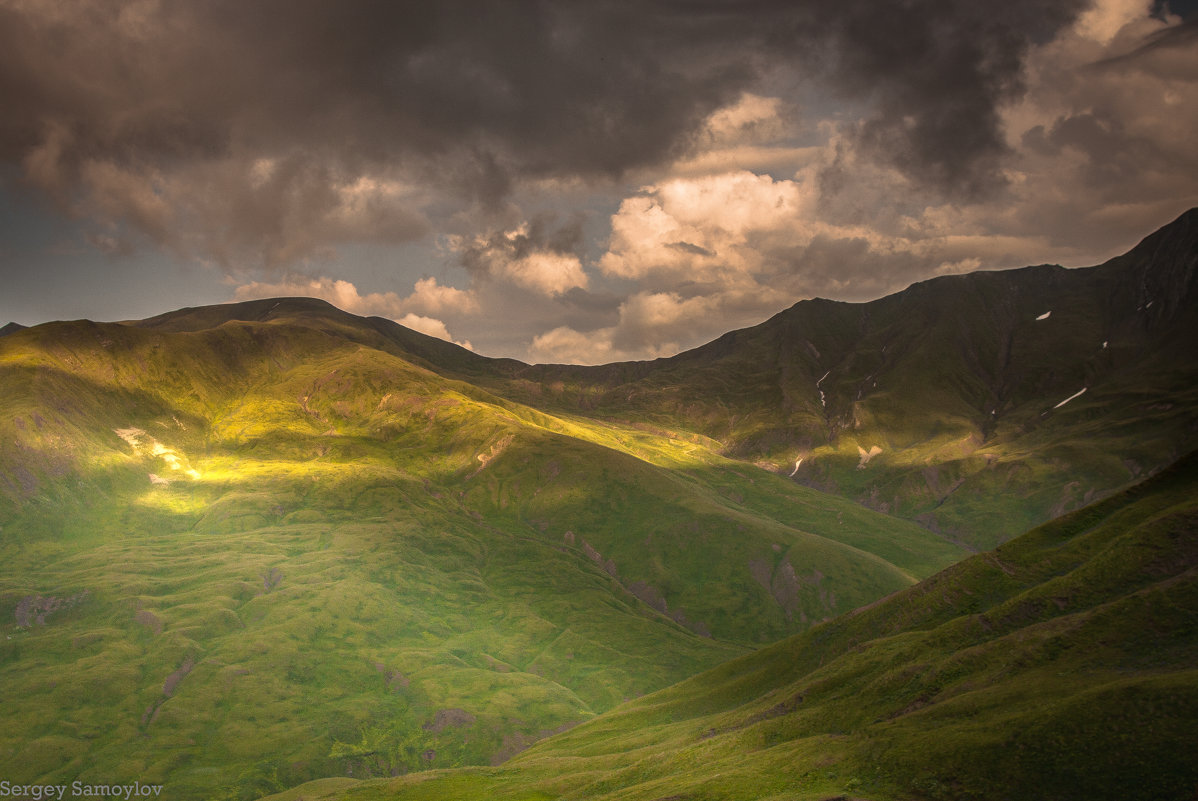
(247, 546)
(957, 403)
(244, 547)
(1059, 666)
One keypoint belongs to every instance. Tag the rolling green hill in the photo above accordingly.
(244, 547)
(1059, 666)
(976, 405)
(247, 546)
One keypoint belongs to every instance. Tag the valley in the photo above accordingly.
(262, 553)
(1060, 665)
(272, 545)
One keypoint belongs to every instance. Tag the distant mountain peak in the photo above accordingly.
(260, 310)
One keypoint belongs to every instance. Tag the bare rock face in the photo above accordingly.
(168, 689)
(650, 595)
(395, 680)
(271, 578)
(445, 718)
(788, 587)
(32, 610)
(148, 619)
(172, 681)
(515, 742)
(608, 565)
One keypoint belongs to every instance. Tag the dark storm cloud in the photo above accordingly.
(156, 114)
(1114, 156)
(689, 247)
(543, 233)
(1182, 8)
(936, 74)
(549, 88)
(1178, 37)
(603, 306)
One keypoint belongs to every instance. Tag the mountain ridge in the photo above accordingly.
(950, 378)
(265, 542)
(928, 403)
(255, 552)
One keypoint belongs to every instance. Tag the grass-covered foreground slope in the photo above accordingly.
(245, 547)
(1063, 665)
(979, 405)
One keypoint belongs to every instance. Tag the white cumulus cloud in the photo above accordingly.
(709, 228)
(544, 272)
(521, 256)
(432, 327)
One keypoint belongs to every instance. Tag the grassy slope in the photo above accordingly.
(319, 557)
(1060, 666)
(955, 380)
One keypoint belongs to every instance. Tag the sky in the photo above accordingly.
(578, 181)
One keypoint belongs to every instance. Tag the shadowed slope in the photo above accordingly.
(958, 402)
(1059, 666)
(1008, 396)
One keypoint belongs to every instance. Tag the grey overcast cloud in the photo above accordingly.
(575, 181)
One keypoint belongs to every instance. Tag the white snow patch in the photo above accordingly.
(867, 455)
(1148, 305)
(1071, 397)
(822, 401)
(168, 455)
(172, 457)
(131, 435)
(792, 472)
(1045, 316)
(1105, 343)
